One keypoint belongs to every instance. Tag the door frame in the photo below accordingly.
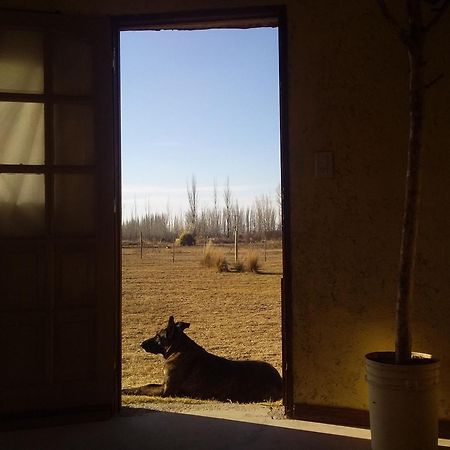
(246, 17)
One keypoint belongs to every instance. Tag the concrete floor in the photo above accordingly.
(147, 429)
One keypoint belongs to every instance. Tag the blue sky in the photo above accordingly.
(203, 103)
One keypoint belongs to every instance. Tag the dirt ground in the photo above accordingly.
(236, 315)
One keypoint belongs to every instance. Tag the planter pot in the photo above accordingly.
(403, 402)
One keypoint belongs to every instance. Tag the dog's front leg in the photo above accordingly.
(151, 390)
(171, 389)
(166, 390)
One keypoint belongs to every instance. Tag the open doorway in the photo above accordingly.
(201, 159)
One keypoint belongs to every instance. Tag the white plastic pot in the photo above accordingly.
(403, 402)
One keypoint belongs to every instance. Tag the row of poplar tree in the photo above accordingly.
(261, 220)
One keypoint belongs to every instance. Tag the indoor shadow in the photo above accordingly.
(139, 429)
(147, 429)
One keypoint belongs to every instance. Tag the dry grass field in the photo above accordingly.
(236, 315)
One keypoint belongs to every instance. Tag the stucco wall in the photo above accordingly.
(349, 91)
(348, 95)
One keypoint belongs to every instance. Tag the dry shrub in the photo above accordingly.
(252, 262)
(186, 238)
(221, 263)
(208, 255)
(213, 257)
(239, 266)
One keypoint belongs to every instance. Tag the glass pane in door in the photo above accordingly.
(22, 205)
(73, 134)
(21, 61)
(72, 66)
(21, 133)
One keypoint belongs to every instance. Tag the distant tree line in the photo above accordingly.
(261, 220)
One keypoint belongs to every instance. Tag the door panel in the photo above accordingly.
(58, 286)
(74, 205)
(27, 356)
(74, 353)
(19, 263)
(75, 277)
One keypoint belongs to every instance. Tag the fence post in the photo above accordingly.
(236, 248)
(141, 242)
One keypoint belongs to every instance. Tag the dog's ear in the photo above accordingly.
(171, 327)
(182, 325)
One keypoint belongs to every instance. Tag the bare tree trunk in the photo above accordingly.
(193, 201)
(227, 202)
(412, 37)
(215, 216)
(403, 343)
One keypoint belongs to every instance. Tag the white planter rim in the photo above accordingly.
(388, 358)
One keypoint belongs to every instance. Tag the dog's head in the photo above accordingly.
(166, 338)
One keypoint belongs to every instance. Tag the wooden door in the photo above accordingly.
(58, 241)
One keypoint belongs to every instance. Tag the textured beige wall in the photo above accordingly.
(348, 95)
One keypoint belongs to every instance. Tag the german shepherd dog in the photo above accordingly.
(191, 371)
